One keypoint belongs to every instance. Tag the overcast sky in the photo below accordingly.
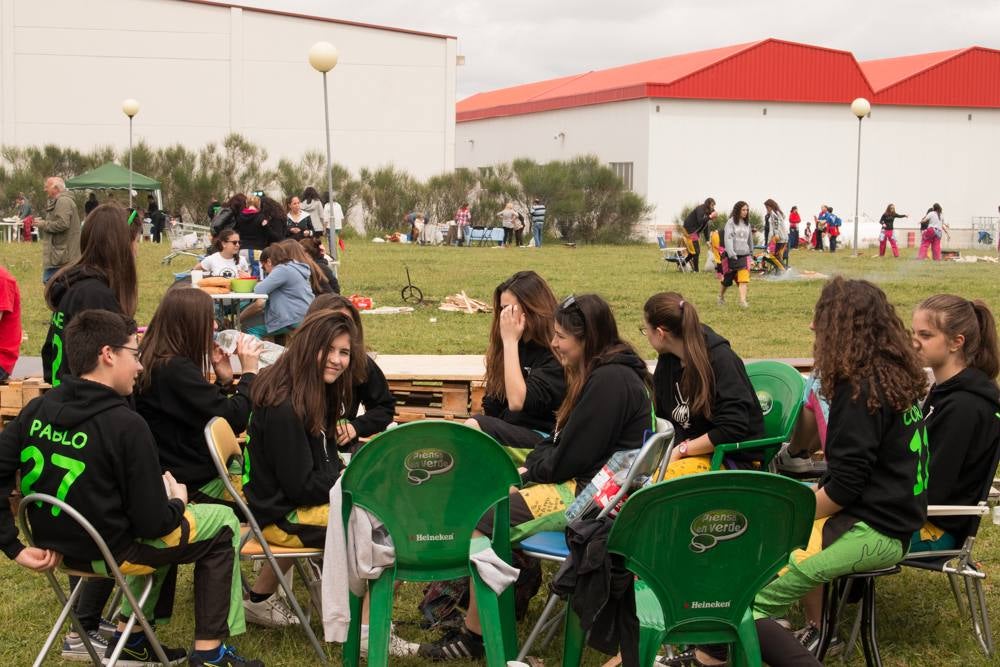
(508, 42)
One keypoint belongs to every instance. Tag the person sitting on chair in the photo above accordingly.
(111, 475)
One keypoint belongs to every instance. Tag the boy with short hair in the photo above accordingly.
(83, 444)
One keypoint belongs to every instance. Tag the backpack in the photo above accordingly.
(224, 219)
(834, 226)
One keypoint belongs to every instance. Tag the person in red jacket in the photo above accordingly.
(10, 323)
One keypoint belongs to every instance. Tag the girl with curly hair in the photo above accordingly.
(874, 495)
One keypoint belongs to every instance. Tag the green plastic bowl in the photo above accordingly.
(243, 285)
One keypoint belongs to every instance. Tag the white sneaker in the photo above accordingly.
(271, 613)
(398, 647)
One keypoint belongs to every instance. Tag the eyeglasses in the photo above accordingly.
(233, 242)
(133, 350)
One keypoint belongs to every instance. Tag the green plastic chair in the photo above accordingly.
(703, 546)
(779, 390)
(430, 482)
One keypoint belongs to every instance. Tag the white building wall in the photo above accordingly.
(202, 71)
(613, 132)
(806, 155)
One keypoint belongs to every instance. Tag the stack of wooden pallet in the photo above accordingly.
(419, 399)
(17, 394)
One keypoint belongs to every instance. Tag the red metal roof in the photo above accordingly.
(771, 69)
(961, 78)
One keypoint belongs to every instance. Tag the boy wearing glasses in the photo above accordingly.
(82, 444)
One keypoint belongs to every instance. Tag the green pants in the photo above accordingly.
(860, 549)
(209, 537)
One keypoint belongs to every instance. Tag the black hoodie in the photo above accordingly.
(736, 413)
(177, 404)
(877, 463)
(284, 466)
(545, 385)
(80, 442)
(380, 404)
(79, 288)
(614, 412)
(963, 430)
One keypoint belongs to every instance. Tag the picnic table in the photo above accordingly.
(10, 229)
(230, 306)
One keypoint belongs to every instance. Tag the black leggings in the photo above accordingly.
(696, 255)
(508, 234)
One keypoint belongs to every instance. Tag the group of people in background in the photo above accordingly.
(461, 229)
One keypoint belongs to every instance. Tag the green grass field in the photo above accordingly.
(918, 622)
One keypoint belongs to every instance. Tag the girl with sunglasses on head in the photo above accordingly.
(607, 408)
(525, 383)
(225, 261)
(701, 386)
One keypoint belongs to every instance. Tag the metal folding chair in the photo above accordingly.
(223, 446)
(651, 462)
(67, 603)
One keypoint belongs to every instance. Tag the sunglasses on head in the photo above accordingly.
(567, 302)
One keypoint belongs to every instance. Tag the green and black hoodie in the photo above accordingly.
(79, 288)
(284, 466)
(82, 443)
(963, 426)
(877, 464)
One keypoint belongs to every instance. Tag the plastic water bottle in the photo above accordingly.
(228, 338)
(611, 476)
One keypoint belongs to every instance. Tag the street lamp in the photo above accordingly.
(131, 108)
(860, 108)
(323, 58)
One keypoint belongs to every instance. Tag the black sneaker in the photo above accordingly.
(229, 658)
(141, 654)
(456, 645)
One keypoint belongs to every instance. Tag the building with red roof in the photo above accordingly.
(769, 118)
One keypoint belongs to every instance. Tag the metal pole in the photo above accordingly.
(329, 180)
(130, 161)
(857, 191)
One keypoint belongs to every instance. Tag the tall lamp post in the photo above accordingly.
(860, 108)
(323, 58)
(131, 108)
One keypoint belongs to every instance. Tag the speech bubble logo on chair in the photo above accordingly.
(423, 464)
(766, 401)
(716, 526)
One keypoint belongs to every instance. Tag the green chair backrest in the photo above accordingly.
(779, 390)
(430, 482)
(706, 544)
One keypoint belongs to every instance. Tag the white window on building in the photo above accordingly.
(623, 170)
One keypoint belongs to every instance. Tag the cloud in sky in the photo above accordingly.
(517, 41)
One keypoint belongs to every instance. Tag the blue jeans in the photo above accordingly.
(536, 229)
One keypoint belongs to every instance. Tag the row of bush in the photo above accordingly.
(586, 201)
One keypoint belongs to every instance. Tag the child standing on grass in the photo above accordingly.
(738, 241)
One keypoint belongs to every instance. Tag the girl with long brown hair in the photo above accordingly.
(525, 383)
(289, 466)
(287, 286)
(175, 395)
(369, 388)
(874, 494)
(957, 339)
(701, 386)
(607, 408)
(103, 277)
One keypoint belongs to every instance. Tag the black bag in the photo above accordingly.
(224, 219)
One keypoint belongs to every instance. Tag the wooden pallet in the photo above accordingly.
(432, 398)
(17, 394)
